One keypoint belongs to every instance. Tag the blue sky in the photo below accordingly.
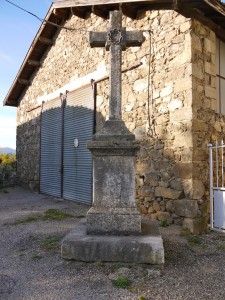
(17, 32)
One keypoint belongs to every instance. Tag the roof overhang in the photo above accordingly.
(208, 12)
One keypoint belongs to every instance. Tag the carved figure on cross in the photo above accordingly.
(116, 39)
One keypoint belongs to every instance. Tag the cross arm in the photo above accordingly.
(97, 39)
(134, 38)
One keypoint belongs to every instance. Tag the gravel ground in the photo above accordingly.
(31, 266)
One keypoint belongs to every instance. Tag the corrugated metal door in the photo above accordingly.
(51, 148)
(77, 160)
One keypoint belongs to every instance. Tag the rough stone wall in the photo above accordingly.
(157, 108)
(208, 125)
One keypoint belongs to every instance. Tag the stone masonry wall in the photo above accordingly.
(157, 108)
(208, 125)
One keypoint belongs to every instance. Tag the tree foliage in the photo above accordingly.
(8, 160)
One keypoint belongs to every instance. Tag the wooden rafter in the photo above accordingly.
(80, 12)
(34, 63)
(23, 81)
(45, 41)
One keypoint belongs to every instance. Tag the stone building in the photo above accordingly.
(173, 87)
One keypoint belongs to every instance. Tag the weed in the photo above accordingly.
(50, 214)
(141, 297)
(220, 238)
(122, 282)
(22, 252)
(54, 214)
(194, 240)
(99, 264)
(221, 247)
(185, 232)
(51, 243)
(204, 246)
(24, 221)
(164, 223)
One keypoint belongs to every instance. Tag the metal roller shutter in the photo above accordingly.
(77, 160)
(51, 148)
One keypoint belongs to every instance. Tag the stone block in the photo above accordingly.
(165, 192)
(183, 84)
(183, 170)
(164, 216)
(197, 225)
(193, 189)
(146, 248)
(170, 206)
(200, 126)
(176, 185)
(185, 26)
(210, 68)
(140, 85)
(166, 91)
(156, 205)
(186, 208)
(181, 114)
(119, 221)
(175, 104)
(210, 92)
(145, 191)
(200, 154)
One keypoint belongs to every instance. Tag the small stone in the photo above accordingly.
(167, 193)
(164, 216)
(156, 206)
(152, 273)
(140, 85)
(170, 206)
(143, 209)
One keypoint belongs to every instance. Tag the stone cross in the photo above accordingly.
(115, 39)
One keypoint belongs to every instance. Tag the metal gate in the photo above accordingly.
(217, 186)
(66, 163)
(77, 162)
(51, 150)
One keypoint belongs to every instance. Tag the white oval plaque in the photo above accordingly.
(76, 143)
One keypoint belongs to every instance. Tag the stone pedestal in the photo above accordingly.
(146, 248)
(114, 231)
(114, 210)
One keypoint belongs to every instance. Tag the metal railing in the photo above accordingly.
(217, 186)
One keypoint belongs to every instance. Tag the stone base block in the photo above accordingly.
(119, 221)
(197, 226)
(146, 248)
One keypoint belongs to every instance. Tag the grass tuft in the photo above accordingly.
(51, 243)
(194, 240)
(185, 232)
(122, 282)
(50, 214)
(164, 223)
(141, 297)
(221, 247)
(54, 214)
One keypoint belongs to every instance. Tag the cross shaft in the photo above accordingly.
(116, 39)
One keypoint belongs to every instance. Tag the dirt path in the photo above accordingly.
(32, 226)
